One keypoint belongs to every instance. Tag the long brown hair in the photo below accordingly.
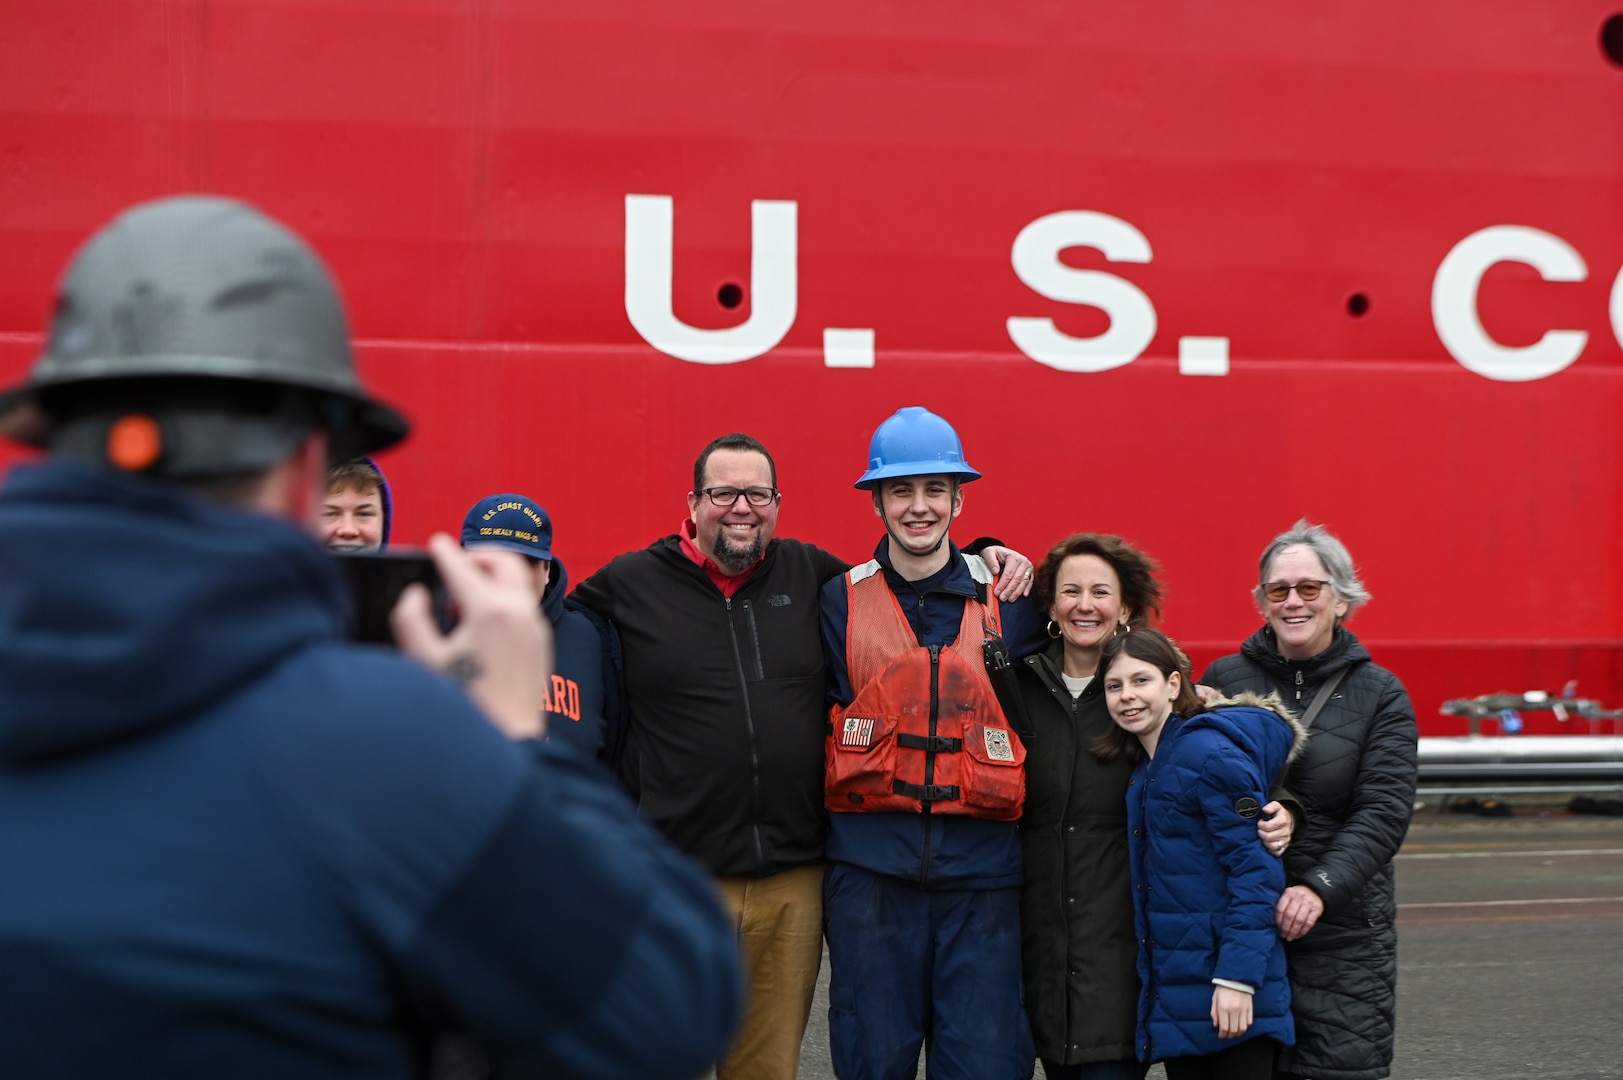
(1161, 653)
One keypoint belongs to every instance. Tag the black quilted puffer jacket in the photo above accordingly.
(1356, 782)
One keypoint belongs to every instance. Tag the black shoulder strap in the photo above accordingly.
(1326, 688)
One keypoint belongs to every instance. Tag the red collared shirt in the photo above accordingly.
(727, 583)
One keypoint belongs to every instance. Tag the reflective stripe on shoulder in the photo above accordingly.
(978, 569)
(863, 572)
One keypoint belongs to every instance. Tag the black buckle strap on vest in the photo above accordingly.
(934, 744)
(926, 793)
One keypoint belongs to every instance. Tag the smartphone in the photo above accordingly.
(376, 580)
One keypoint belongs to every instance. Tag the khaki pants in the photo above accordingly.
(780, 937)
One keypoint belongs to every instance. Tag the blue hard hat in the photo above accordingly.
(915, 442)
(509, 521)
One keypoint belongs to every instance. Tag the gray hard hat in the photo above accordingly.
(200, 293)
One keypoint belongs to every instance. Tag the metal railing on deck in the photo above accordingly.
(1528, 757)
(1526, 764)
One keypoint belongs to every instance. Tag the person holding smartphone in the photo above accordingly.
(236, 843)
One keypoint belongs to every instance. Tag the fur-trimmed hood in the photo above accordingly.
(1273, 703)
(1207, 889)
(1262, 727)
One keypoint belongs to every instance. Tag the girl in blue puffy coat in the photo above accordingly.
(1215, 1001)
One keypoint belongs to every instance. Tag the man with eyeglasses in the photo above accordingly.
(725, 680)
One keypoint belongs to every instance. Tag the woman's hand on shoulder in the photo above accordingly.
(1014, 572)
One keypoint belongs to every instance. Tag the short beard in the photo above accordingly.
(737, 557)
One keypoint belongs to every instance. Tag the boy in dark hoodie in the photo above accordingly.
(358, 511)
(584, 704)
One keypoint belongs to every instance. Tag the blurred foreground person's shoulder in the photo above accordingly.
(235, 843)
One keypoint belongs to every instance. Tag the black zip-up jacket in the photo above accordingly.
(1356, 779)
(1076, 910)
(724, 747)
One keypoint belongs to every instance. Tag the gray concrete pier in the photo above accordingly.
(1510, 958)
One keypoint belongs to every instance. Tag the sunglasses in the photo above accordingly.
(1277, 591)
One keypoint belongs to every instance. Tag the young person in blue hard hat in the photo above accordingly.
(924, 784)
(584, 701)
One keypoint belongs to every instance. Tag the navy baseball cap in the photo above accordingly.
(515, 522)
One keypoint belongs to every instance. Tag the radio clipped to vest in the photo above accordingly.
(1000, 670)
(925, 729)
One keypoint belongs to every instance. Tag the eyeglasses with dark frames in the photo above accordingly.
(1277, 591)
(728, 496)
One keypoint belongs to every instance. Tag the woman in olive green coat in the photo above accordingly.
(1080, 954)
(1077, 904)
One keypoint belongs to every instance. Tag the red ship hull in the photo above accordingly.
(1401, 218)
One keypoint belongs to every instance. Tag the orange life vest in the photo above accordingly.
(925, 729)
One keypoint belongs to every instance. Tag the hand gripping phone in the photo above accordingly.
(376, 580)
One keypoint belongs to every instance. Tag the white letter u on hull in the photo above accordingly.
(774, 284)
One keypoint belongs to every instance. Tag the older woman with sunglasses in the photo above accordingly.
(1356, 782)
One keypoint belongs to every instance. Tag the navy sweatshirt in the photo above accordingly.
(584, 702)
(235, 844)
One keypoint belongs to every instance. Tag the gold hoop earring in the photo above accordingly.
(1053, 629)
(1122, 628)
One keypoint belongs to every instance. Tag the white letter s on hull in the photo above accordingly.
(1036, 262)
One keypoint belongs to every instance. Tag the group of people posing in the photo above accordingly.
(1097, 868)
(1157, 924)
(237, 843)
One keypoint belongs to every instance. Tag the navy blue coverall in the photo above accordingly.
(922, 911)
